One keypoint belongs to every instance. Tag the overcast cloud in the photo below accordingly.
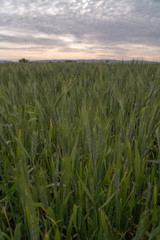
(54, 29)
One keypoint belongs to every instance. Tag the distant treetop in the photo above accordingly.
(23, 60)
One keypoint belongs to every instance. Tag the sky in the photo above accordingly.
(80, 29)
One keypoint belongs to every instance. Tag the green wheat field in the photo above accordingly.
(79, 151)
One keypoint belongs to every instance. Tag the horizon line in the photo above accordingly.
(81, 59)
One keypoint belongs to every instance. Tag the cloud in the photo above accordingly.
(99, 27)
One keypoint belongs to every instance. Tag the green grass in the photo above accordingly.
(79, 151)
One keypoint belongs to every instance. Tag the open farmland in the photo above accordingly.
(79, 151)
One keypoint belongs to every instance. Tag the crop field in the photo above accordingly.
(79, 151)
